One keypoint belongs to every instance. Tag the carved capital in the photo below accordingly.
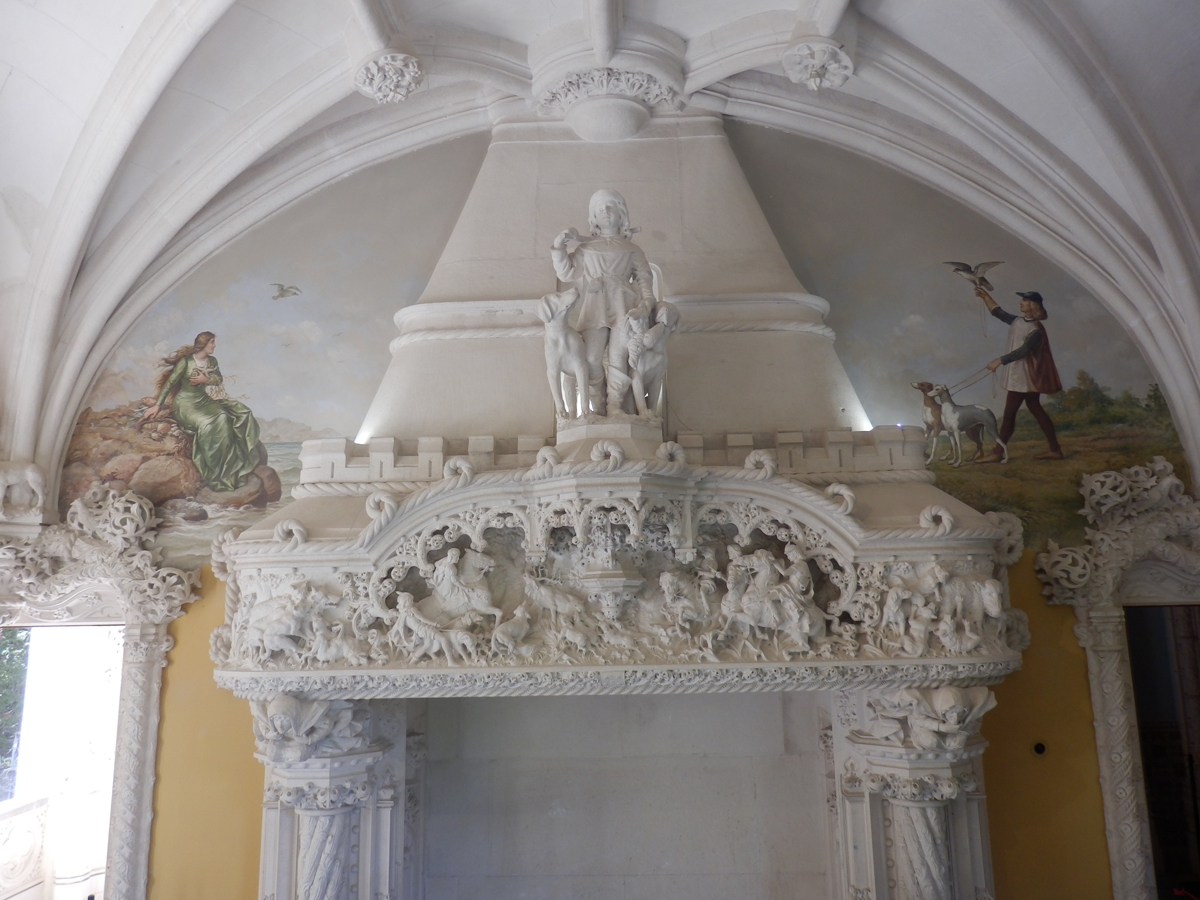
(389, 77)
(288, 729)
(147, 644)
(942, 718)
(312, 796)
(817, 62)
(932, 788)
(606, 82)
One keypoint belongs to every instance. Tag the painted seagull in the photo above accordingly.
(974, 275)
(285, 290)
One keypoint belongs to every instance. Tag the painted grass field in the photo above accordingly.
(1045, 493)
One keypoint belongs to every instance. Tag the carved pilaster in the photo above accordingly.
(1101, 633)
(328, 806)
(1139, 514)
(144, 656)
(913, 812)
(95, 568)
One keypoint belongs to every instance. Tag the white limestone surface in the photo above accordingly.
(751, 354)
(718, 797)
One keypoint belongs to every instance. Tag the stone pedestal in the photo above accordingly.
(638, 437)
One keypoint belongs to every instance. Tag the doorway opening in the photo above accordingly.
(1164, 656)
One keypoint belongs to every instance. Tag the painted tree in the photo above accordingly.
(14, 658)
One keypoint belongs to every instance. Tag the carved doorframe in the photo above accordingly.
(1138, 552)
(93, 570)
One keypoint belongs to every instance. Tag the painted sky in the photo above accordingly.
(358, 250)
(867, 239)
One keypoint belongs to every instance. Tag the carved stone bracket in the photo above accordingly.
(22, 498)
(95, 568)
(1139, 515)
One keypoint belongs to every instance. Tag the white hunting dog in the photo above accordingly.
(960, 420)
(565, 354)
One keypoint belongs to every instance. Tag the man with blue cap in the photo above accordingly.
(1029, 369)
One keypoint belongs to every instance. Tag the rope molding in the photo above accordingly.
(528, 331)
(309, 489)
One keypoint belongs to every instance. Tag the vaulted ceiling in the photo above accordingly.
(138, 137)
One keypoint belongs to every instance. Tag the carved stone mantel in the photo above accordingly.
(1142, 525)
(621, 575)
(94, 568)
(615, 577)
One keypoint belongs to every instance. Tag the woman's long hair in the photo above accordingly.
(168, 362)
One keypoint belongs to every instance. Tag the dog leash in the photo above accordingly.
(974, 378)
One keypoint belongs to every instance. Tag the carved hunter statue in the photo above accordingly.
(620, 328)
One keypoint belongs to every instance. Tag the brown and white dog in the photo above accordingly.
(931, 416)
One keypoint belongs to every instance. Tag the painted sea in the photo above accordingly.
(187, 544)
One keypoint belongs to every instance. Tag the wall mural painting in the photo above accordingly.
(300, 322)
(206, 443)
(188, 432)
(991, 455)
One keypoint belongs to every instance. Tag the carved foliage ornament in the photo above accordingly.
(817, 62)
(620, 576)
(1139, 513)
(390, 77)
(94, 565)
(314, 796)
(608, 82)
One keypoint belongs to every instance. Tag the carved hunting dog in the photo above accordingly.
(565, 353)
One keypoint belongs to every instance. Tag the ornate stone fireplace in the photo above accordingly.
(743, 531)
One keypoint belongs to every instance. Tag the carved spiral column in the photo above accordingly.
(914, 815)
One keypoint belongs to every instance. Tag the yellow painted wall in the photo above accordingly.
(1045, 814)
(1045, 811)
(208, 788)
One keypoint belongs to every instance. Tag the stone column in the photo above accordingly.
(914, 817)
(328, 802)
(144, 656)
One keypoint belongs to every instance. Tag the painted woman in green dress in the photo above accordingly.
(225, 446)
